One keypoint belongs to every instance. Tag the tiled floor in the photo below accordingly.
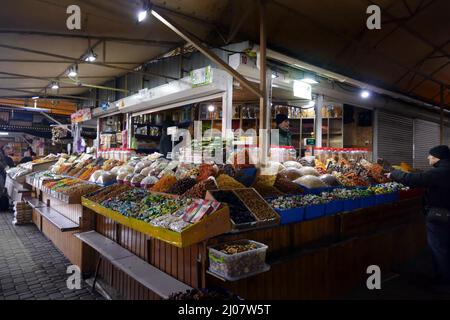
(31, 267)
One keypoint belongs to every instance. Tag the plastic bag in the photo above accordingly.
(96, 175)
(137, 180)
(291, 173)
(149, 181)
(106, 178)
(141, 165)
(128, 178)
(330, 180)
(292, 164)
(115, 170)
(145, 171)
(307, 161)
(121, 177)
(126, 169)
(308, 171)
(310, 182)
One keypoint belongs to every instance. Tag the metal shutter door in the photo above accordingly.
(447, 136)
(395, 138)
(426, 136)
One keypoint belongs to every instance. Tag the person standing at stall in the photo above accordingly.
(437, 210)
(285, 137)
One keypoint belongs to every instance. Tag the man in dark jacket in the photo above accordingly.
(437, 200)
(285, 137)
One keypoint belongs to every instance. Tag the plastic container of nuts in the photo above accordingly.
(237, 260)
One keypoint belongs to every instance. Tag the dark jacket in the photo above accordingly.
(436, 181)
(285, 137)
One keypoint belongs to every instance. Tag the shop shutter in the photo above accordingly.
(395, 138)
(447, 136)
(426, 136)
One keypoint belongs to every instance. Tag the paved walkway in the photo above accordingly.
(31, 267)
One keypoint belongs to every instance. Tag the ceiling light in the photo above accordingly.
(4, 133)
(73, 71)
(36, 109)
(365, 94)
(142, 15)
(211, 108)
(35, 98)
(91, 56)
(55, 85)
(143, 12)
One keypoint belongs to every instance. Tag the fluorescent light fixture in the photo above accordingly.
(73, 71)
(35, 109)
(211, 108)
(310, 79)
(365, 94)
(142, 15)
(55, 85)
(35, 98)
(91, 56)
(4, 133)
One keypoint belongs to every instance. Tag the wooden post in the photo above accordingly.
(442, 115)
(263, 99)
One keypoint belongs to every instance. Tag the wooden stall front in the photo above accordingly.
(317, 259)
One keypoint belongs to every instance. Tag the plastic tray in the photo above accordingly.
(367, 202)
(334, 207)
(239, 265)
(352, 204)
(313, 212)
(291, 215)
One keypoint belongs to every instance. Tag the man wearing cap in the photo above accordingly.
(437, 209)
(285, 138)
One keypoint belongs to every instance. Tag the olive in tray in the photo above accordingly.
(238, 212)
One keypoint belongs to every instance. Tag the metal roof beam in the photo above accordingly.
(147, 42)
(79, 60)
(207, 52)
(412, 32)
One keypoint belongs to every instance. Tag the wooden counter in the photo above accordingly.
(317, 259)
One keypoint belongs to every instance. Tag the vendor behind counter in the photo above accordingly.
(165, 143)
(285, 137)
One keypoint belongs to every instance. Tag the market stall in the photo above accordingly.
(305, 226)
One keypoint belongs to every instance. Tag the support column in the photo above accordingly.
(318, 125)
(442, 116)
(263, 100)
(227, 108)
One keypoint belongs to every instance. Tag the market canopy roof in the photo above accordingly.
(410, 54)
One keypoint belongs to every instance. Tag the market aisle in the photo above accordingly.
(403, 285)
(31, 267)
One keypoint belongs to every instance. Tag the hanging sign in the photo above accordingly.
(201, 77)
(309, 142)
(105, 106)
(302, 90)
(81, 115)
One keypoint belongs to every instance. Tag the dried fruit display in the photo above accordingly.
(205, 171)
(238, 211)
(256, 204)
(199, 190)
(287, 186)
(226, 182)
(164, 184)
(181, 186)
